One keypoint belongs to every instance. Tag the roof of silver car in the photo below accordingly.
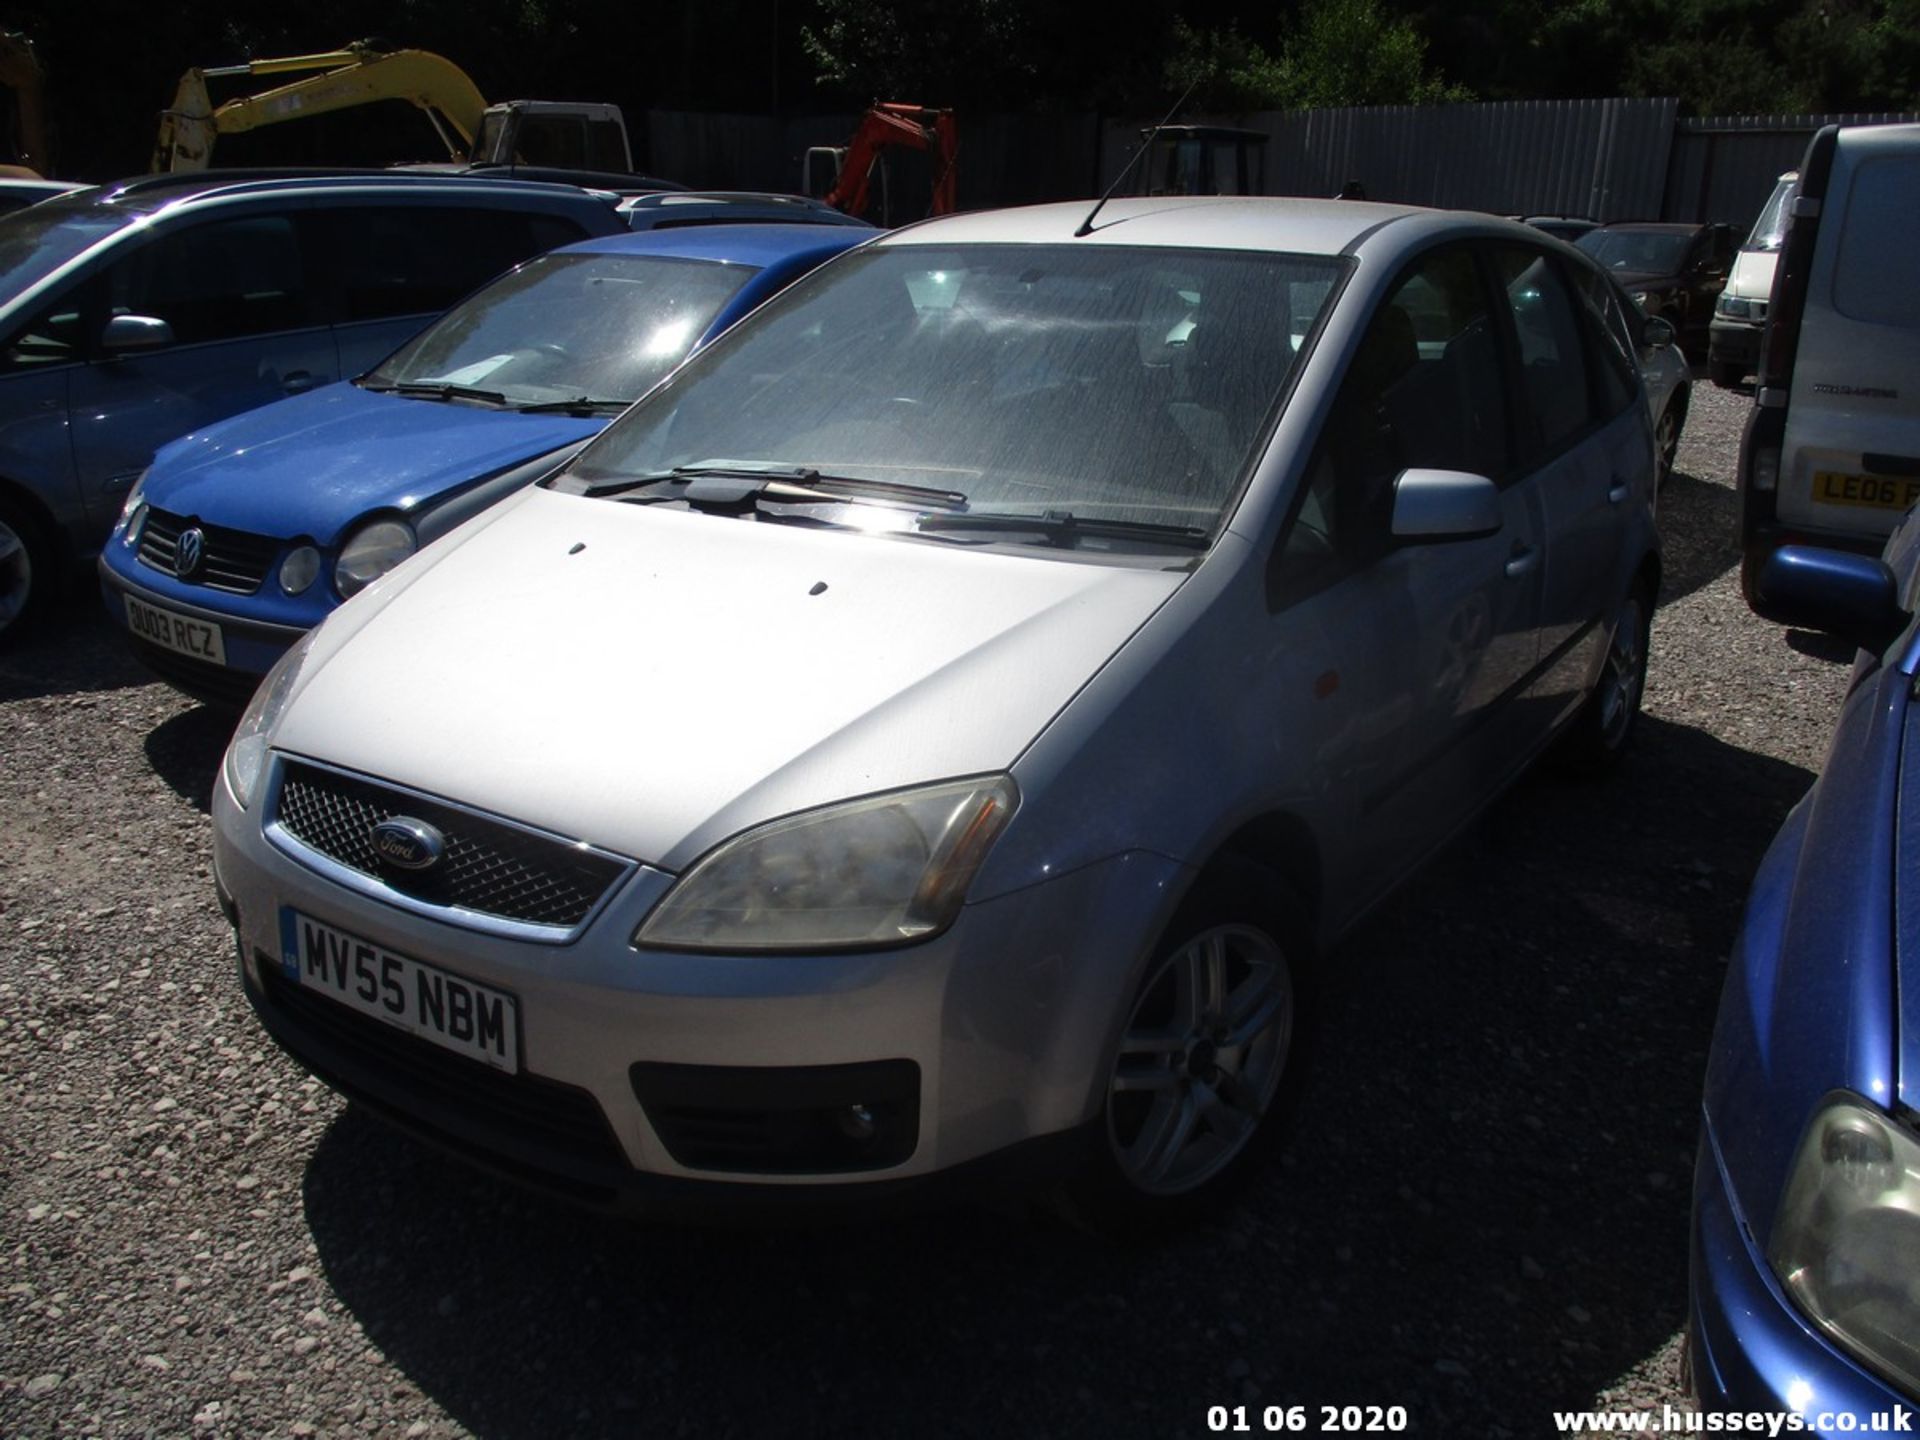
(1313, 227)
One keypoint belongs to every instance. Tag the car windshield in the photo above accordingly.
(38, 240)
(1643, 252)
(1070, 383)
(564, 327)
(1770, 230)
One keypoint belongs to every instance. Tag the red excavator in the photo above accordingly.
(845, 175)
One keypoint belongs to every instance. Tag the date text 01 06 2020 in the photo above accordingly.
(1297, 1419)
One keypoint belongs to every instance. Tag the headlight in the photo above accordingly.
(300, 569)
(1646, 301)
(1846, 1238)
(133, 513)
(247, 752)
(1733, 307)
(886, 870)
(372, 552)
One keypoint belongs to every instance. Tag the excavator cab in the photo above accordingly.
(1204, 160)
(553, 134)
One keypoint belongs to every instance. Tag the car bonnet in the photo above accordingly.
(314, 464)
(652, 680)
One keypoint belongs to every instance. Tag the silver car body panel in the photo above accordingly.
(674, 683)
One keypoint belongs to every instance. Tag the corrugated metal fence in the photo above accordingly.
(1610, 159)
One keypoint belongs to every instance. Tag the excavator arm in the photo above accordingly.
(898, 127)
(356, 75)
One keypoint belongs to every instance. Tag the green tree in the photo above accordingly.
(1340, 52)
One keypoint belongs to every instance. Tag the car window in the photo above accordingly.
(218, 280)
(1874, 237)
(1611, 341)
(1553, 363)
(1645, 252)
(40, 239)
(1105, 381)
(1424, 390)
(565, 326)
(418, 260)
(55, 335)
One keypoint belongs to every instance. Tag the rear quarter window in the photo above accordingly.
(1873, 277)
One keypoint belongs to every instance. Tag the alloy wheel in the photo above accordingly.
(16, 575)
(1201, 1059)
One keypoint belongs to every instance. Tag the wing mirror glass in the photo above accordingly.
(1433, 505)
(135, 332)
(1851, 597)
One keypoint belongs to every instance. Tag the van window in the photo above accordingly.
(1770, 230)
(1876, 240)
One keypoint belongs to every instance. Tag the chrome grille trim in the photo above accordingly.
(237, 561)
(556, 885)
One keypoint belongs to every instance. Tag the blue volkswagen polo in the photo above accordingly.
(1806, 1205)
(245, 534)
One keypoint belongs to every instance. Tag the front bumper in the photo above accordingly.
(997, 1030)
(1749, 1348)
(1734, 344)
(252, 646)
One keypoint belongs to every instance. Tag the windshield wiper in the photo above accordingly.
(722, 484)
(1063, 528)
(578, 405)
(435, 390)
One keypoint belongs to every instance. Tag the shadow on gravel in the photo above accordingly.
(1816, 646)
(74, 651)
(1482, 1213)
(185, 752)
(1699, 534)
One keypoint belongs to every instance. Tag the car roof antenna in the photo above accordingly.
(1086, 225)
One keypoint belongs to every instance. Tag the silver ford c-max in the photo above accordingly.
(936, 730)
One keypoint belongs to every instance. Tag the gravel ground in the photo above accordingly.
(1481, 1217)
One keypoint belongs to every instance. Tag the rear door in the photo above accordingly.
(1586, 455)
(1851, 459)
(247, 326)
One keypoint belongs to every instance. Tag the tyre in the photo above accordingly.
(1207, 1065)
(1666, 437)
(1601, 732)
(26, 570)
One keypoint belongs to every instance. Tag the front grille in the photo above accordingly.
(236, 562)
(490, 866)
(420, 1079)
(215, 684)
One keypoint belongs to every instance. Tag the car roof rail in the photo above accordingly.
(217, 179)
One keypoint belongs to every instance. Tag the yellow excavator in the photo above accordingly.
(23, 120)
(582, 136)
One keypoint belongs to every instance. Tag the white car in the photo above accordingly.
(937, 730)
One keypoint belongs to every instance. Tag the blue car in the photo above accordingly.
(245, 534)
(1806, 1207)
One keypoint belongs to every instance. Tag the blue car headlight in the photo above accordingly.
(1848, 1231)
(133, 513)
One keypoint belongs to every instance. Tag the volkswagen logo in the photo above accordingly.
(408, 844)
(190, 552)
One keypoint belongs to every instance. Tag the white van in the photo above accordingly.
(1740, 314)
(1831, 454)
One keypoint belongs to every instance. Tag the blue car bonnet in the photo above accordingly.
(314, 464)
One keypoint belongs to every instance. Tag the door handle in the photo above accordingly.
(297, 382)
(1520, 562)
(1621, 489)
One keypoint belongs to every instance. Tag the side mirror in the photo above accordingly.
(126, 333)
(1430, 505)
(1851, 597)
(1656, 331)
